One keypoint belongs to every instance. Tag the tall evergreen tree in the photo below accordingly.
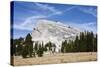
(49, 46)
(28, 45)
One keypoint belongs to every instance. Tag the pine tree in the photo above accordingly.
(49, 45)
(77, 44)
(63, 47)
(28, 46)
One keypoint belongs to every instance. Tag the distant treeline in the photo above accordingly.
(25, 48)
(85, 42)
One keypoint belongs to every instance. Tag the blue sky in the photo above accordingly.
(27, 13)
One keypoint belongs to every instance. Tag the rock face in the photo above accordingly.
(56, 32)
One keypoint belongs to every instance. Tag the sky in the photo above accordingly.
(26, 14)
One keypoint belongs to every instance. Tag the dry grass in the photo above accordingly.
(56, 58)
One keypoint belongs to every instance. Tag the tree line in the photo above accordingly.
(24, 47)
(85, 42)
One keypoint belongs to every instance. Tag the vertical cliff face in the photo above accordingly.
(56, 32)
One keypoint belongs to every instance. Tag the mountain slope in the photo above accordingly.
(55, 32)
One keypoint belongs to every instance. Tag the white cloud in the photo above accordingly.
(45, 7)
(29, 23)
(91, 11)
(52, 9)
(70, 8)
(90, 26)
(22, 27)
(33, 18)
